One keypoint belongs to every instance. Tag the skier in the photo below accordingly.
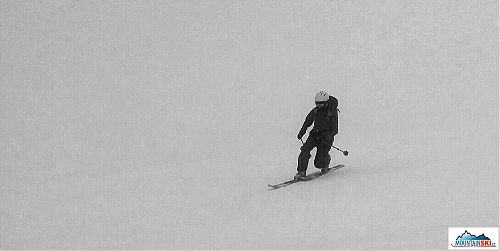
(325, 119)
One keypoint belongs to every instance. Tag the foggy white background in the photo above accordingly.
(159, 124)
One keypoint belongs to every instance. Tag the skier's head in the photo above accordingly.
(321, 98)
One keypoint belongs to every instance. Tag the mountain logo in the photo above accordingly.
(478, 240)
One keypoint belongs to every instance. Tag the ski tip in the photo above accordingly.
(271, 187)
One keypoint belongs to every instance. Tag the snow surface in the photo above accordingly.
(159, 124)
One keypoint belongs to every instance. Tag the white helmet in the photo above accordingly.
(321, 96)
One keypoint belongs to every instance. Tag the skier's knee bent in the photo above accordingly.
(322, 160)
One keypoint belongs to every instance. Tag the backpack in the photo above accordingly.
(333, 112)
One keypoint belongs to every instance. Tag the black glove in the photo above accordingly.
(301, 133)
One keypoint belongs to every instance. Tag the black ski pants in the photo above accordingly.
(323, 143)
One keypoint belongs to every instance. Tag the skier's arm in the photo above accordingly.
(307, 123)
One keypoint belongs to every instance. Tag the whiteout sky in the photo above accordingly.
(159, 124)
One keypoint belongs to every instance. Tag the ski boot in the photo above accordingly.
(301, 175)
(325, 170)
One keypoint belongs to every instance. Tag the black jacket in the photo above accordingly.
(325, 119)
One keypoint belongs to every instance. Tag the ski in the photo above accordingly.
(307, 178)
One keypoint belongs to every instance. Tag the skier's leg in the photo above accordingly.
(305, 153)
(322, 159)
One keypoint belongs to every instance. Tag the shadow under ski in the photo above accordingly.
(307, 178)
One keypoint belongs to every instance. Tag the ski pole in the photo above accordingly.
(344, 152)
